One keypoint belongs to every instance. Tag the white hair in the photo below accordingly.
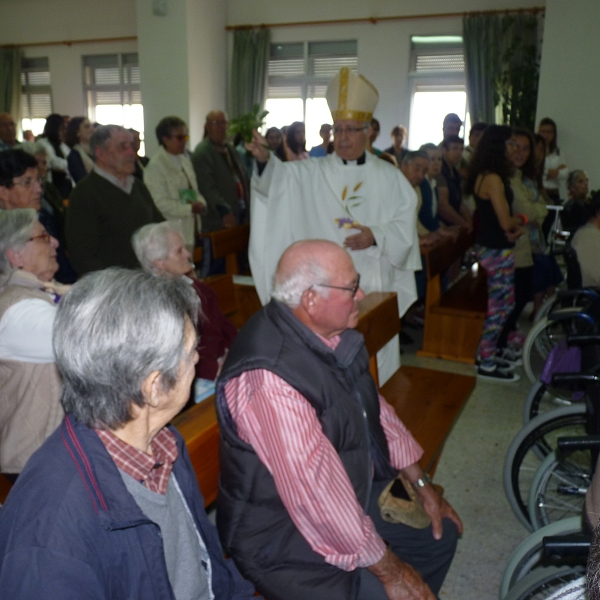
(289, 287)
(16, 226)
(33, 148)
(151, 243)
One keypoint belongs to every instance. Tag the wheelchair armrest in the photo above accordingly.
(582, 340)
(562, 546)
(589, 292)
(579, 442)
(576, 381)
(568, 314)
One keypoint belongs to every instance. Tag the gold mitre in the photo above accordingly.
(351, 96)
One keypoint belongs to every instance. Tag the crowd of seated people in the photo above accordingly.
(126, 211)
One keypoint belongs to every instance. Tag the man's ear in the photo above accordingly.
(309, 301)
(152, 389)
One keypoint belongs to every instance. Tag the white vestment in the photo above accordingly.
(306, 199)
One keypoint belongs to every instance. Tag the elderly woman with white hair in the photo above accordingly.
(161, 250)
(29, 383)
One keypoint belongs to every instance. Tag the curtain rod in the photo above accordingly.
(375, 20)
(131, 38)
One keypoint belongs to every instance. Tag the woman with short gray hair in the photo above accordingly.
(109, 506)
(171, 179)
(161, 250)
(29, 383)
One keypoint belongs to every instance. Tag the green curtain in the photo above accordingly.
(502, 67)
(10, 82)
(517, 86)
(248, 81)
(482, 47)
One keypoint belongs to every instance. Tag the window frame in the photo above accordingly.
(91, 88)
(308, 79)
(448, 80)
(39, 64)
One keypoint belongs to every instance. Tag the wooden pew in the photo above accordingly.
(227, 243)
(454, 318)
(428, 402)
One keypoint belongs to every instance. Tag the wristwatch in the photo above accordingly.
(423, 481)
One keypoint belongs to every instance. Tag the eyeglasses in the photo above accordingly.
(29, 182)
(221, 123)
(43, 236)
(347, 130)
(352, 289)
(512, 143)
(181, 138)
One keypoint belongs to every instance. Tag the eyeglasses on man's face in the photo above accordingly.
(339, 131)
(180, 137)
(29, 182)
(353, 289)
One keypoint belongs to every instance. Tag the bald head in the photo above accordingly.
(315, 278)
(8, 129)
(216, 127)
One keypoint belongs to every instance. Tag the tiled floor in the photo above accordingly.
(470, 470)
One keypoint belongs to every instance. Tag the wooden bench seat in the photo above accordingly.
(428, 402)
(454, 318)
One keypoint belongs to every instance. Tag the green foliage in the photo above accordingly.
(516, 88)
(246, 123)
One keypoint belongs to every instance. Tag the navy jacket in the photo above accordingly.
(71, 530)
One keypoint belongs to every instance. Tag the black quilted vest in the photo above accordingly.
(253, 523)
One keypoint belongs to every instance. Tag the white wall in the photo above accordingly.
(570, 83)
(207, 62)
(163, 65)
(183, 63)
(383, 48)
(241, 12)
(38, 21)
(27, 21)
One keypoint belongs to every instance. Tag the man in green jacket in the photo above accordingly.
(222, 178)
(108, 206)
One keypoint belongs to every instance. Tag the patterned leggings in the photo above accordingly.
(500, 268)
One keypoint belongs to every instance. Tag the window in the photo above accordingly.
(111, 84)
(298, 78)
(36, 94)
(437, 77)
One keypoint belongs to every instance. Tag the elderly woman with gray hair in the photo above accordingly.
(109, 507)
(161, 250)
(29, 382)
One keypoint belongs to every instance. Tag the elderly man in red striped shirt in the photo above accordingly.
(308, 445)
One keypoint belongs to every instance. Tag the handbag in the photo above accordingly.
(400, 503)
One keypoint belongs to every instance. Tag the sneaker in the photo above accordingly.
(510, 356)
(496, 374)
(501, 363)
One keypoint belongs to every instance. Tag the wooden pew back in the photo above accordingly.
(228, 243)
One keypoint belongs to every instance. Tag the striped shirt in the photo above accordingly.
(283, 428)
(152, 471)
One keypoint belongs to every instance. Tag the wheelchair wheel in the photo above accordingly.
(542, 337)
(545, 309)
(529, 448)
(543, 398)
(543, 583)
(558, 488)
(529, 554)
